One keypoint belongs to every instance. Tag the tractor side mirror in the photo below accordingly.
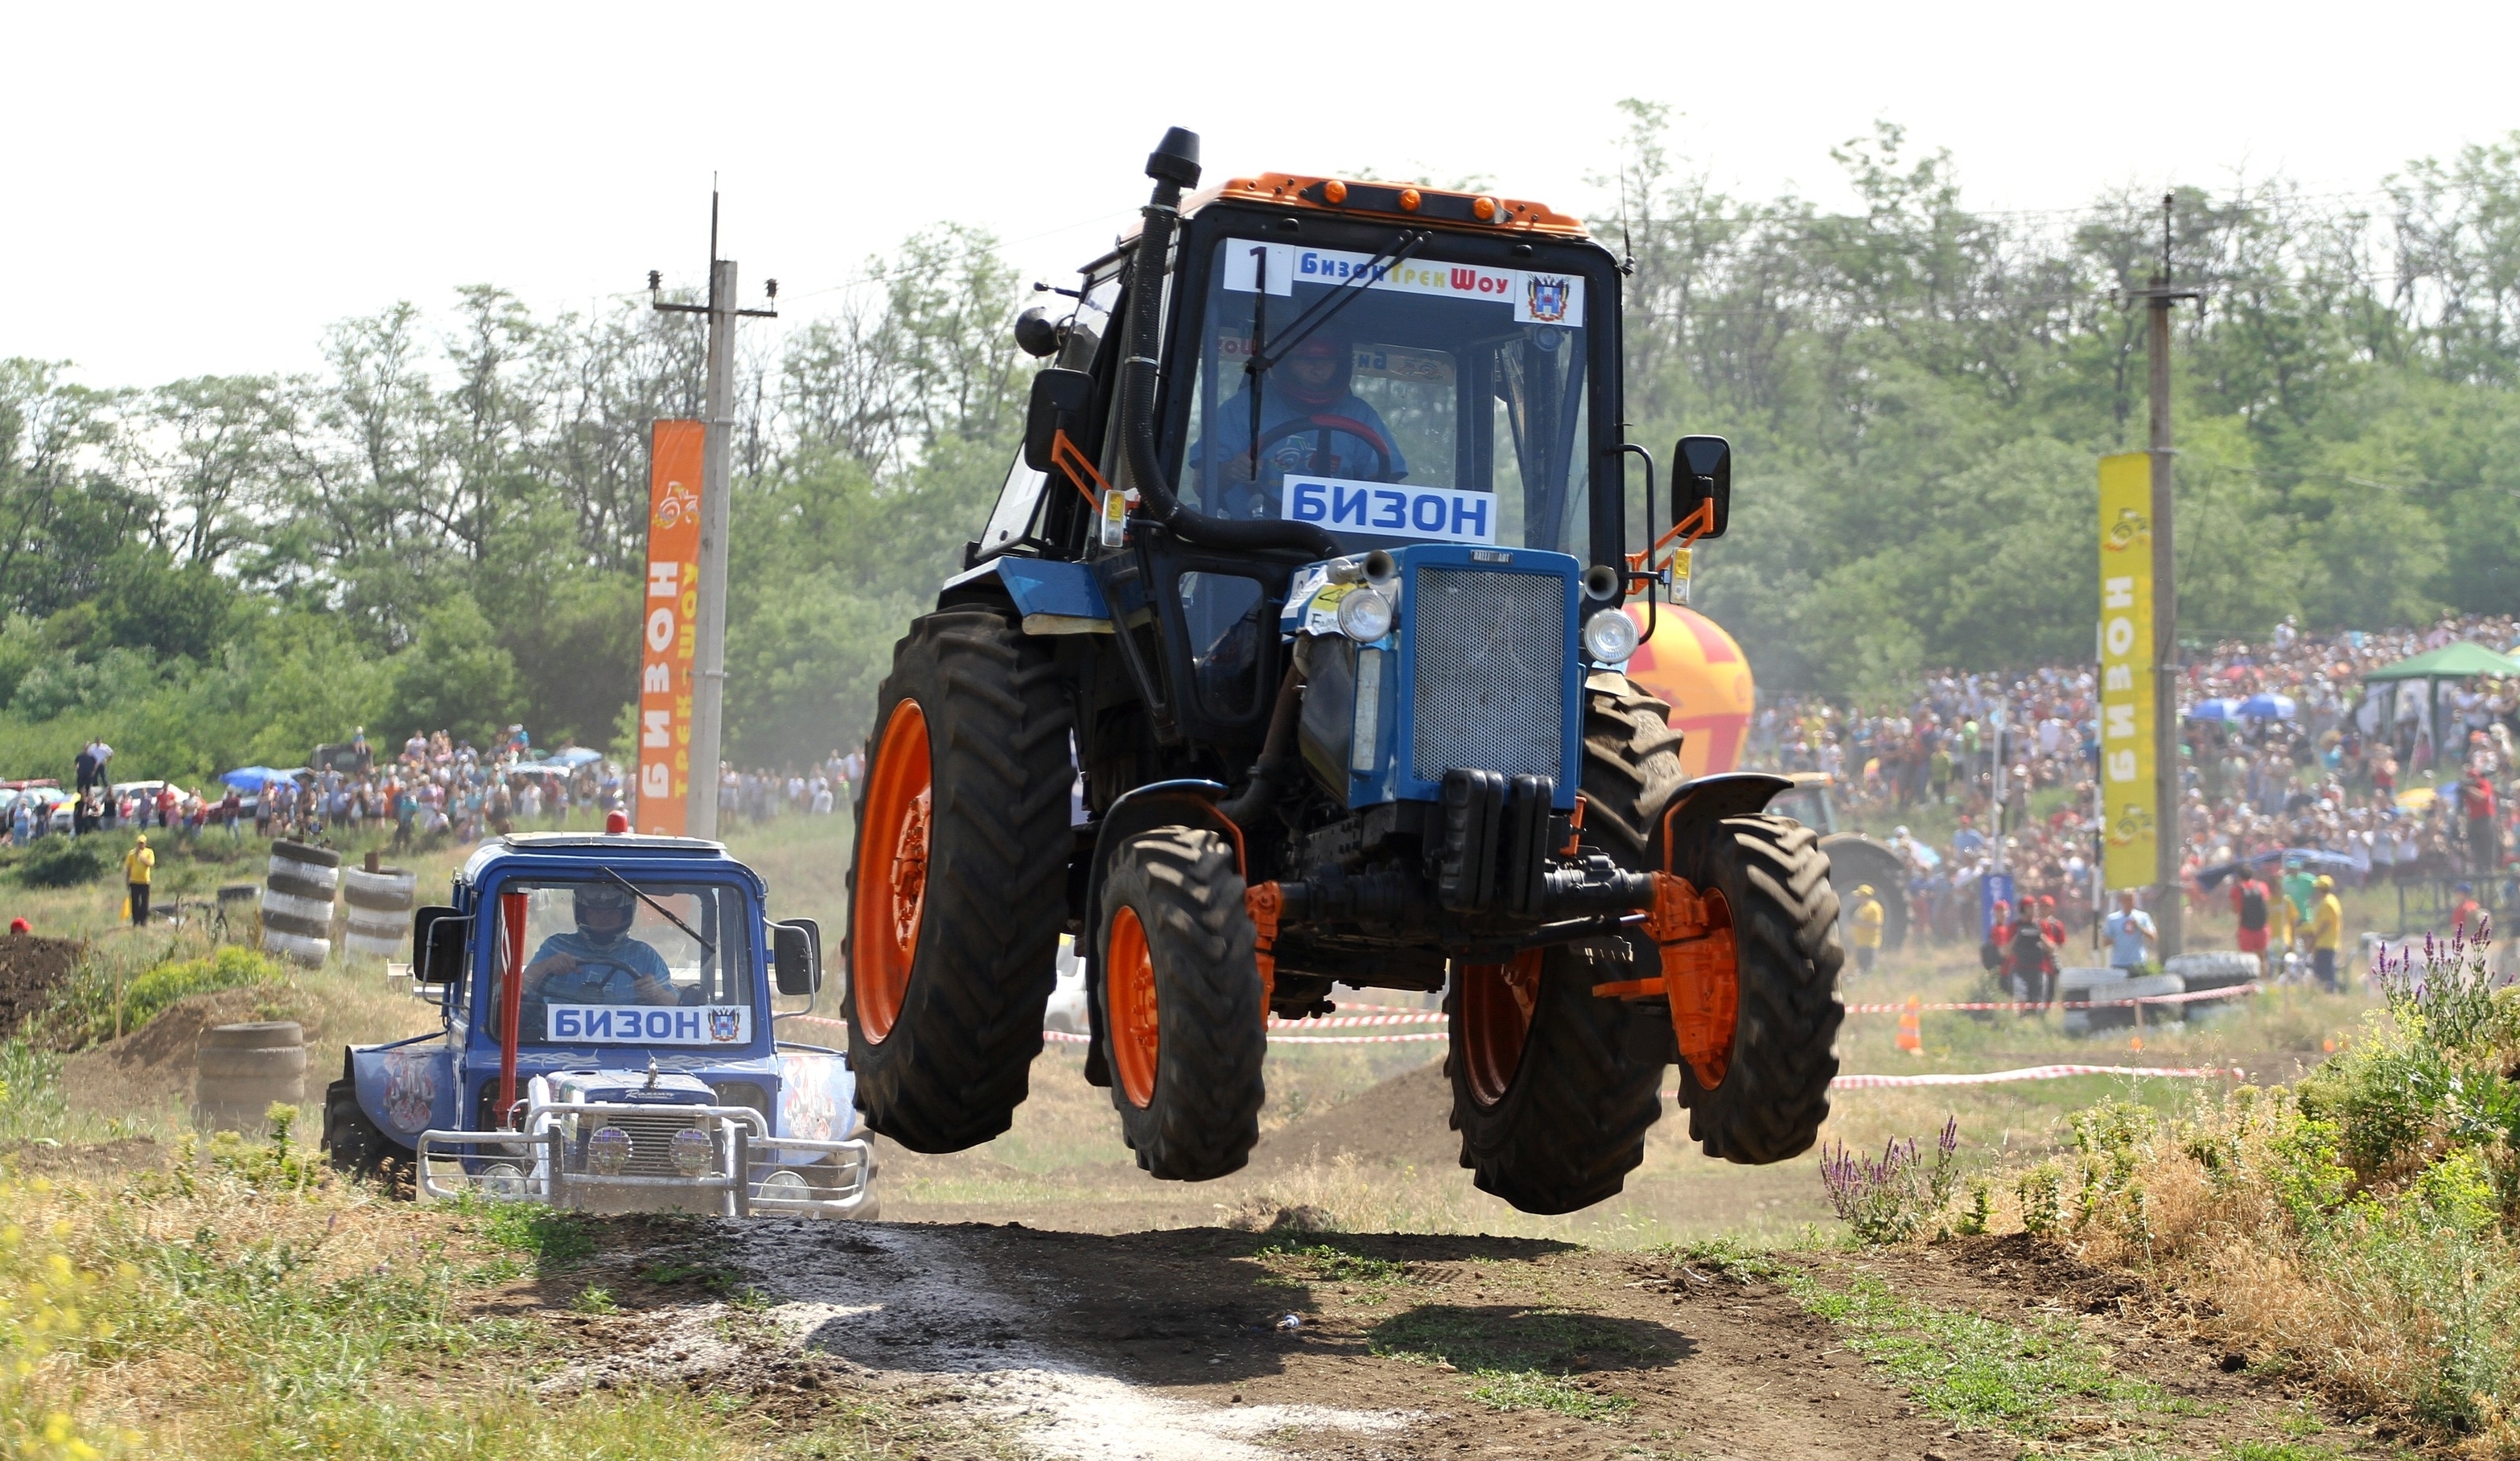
(1701, 473)
(796, 955)
(436, 952)
(1060, 401)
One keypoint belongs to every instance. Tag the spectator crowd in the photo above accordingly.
(2348, 784)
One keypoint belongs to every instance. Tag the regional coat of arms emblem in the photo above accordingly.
(1545, 298)
(725, 1025)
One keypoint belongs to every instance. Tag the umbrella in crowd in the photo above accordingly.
(254, 778)
(2266, 706)
(2223, 709)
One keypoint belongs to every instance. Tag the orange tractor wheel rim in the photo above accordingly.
(892, 889)
(1497, 1002)
(1129, 1004)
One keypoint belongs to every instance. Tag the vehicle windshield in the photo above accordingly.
(604, 965)
(1432, 401)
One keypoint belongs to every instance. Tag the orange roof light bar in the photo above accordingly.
(1340, 196)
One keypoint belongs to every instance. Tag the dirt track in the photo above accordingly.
(1177, 1345)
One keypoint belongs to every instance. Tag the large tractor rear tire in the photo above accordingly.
(959, 885)
(1554, 1088)
(1773, 1094)
(1182, 1017)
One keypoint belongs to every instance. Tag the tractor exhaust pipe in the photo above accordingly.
(1173, 166)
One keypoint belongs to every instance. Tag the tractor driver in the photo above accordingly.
(1311, 424)
(597, 963)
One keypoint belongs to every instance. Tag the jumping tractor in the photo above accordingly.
(1316, 568)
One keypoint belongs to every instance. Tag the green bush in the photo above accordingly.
(232, 968)
(64, 862)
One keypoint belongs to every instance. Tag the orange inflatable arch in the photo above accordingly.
(1695, 665)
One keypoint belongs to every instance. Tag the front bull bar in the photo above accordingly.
(741, 1138)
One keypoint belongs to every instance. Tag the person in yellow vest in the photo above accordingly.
(1867, 919)
(2327, 930)
(136, 868)
(2284, 929)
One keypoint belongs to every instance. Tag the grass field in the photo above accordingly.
(385, 1329)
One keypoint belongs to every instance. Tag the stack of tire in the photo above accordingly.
(2079, 985)
(298, 902)
(380, 910)
(240, 1070)
(2222, 969)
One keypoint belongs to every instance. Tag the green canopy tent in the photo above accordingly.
(2460, 661)
(2450, 662)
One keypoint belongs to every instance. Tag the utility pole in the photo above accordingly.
(2168, 792)
(709, 655)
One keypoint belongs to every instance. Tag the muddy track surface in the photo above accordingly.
(1209, 1345)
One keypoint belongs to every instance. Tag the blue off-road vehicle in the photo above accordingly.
(1318, 568)
(609, 1042)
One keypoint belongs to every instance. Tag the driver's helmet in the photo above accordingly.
(604, 914)
(1321, 344)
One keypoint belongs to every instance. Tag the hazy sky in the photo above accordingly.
(203, 188)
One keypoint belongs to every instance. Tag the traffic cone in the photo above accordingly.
(1911, 1026)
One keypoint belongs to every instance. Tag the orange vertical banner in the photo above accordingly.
(666, 614)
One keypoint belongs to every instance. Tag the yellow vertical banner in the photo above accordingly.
(665, 634)
(2130, 819)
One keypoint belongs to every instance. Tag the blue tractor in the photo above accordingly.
(1316, 568)
(608, 1043)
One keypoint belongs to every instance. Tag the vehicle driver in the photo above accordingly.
(1312, 423)
(598, 962)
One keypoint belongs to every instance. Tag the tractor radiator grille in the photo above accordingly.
(1491, 652)
(651, 1138)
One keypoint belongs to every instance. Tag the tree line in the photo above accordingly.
(442, 525)
(1917, 391)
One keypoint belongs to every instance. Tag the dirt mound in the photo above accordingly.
(30, 971)
(1403, 1122)
(153, 1065)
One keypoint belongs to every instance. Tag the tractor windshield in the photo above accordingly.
(630, 963)
(1416, 401)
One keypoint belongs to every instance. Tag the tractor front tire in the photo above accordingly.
(958, 888)
(1183, 1020)
(354, 1145)
(1554, 1088)
(1774, 1095)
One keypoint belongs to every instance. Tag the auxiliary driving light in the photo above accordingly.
(784, 1187)
(607, 1151)
(693, 1152)
(1611, 635)
(501, 1179)
(1365, 616)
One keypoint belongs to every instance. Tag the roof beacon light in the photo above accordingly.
(1408, 200)
(1334, 191)
(1484, 210)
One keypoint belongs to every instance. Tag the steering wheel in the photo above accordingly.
(1325, 423)
(617, 973)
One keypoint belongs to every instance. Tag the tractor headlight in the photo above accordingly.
(1611, 635)
(1365, 616)
(785, 1187)
(501, 1179)
(607, 1151)
(693, 1152)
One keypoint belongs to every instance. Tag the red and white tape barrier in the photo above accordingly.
(2189, 997)
(2040, 1073)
